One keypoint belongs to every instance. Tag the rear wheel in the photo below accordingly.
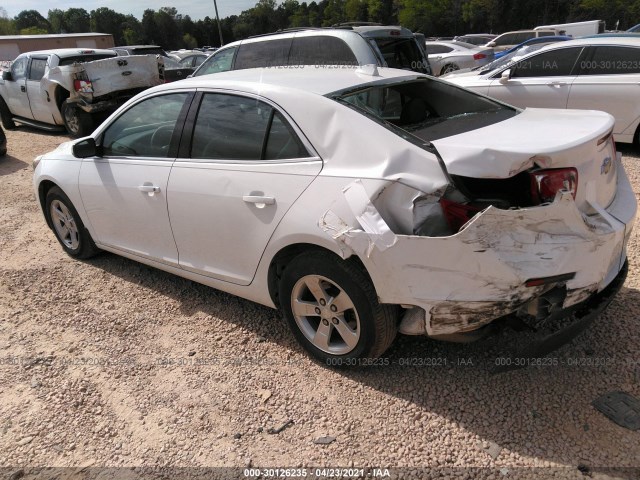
(333, 310)
(77, 122)
(5, 115)
(67, 225)
(451, 67)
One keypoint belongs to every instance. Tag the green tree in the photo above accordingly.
(56, 20)
(334, 13)
(189, 41)
(77, 20)
(7, 26)
(356, 10)
(31, 19)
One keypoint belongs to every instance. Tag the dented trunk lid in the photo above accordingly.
(544, 138)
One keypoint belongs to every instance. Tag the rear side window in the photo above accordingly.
(553, 63)
(38, 66)
(611, 60)
(321, 50)
(267, 53)
(546, 33)
(230, 127)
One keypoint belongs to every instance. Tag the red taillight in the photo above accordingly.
(546, 183)
(84, 86)
(479, 56)
(457, 214)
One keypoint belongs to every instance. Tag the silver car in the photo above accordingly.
(447, 57)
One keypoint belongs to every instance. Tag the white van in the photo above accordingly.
(577, 29)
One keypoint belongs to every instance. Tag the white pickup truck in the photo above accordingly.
(69, 87)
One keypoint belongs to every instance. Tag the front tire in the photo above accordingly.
(333, 311)
(5, 115)
(77, 122)
(67, 226)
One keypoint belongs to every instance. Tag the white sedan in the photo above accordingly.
(447, 57)
(359, 202)
(590, 73)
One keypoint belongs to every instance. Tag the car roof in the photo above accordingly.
(310, 79)
(138, 46)
(606, 40)
(71, 52)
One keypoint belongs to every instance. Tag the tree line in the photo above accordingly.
(172, 30)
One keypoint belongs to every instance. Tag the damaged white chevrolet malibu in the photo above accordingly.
(360, 202)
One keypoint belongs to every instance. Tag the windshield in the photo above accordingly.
(424, 110)
(511, 57)
(401, 53)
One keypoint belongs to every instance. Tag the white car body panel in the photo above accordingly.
(121, 215)
(206, 195)
(362, 203)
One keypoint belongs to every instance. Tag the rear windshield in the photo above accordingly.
(401, 53)
(85, 58)
(424, 110)
(149, 51)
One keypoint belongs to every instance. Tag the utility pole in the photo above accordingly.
(215, 4)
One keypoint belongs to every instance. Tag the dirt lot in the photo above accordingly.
(109, 363)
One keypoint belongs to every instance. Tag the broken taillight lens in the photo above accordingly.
(84, 86)
(546, 183)
(457, 214)
(479, 56)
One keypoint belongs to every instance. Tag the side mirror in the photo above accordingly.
(86, 148)
(492, 44)
(506, 76)
(6, 75)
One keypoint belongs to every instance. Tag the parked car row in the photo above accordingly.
(600, 73)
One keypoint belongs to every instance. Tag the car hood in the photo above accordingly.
(547, 137)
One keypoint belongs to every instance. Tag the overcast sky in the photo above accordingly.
(196, 9)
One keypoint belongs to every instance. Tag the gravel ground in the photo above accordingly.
(109, 363)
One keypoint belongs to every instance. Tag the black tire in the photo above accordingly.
(79, 245)
(3, 143)
(451, 67)
(375, 323)
(77, 122)
(5, 115)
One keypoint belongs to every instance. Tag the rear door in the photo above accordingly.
(609, 80)
(230, 187)
(542, 80)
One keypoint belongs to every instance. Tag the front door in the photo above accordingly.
(124, 191)
(539, 81)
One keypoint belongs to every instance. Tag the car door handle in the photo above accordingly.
(150, 189)
(557, 84)
(258, 200)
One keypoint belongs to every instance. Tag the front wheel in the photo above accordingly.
(332, 308)
(5, 116)
(77, 122)
(67, 225)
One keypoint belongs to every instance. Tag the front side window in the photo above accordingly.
(230, 127)
(612, 60)
(425, 110)
(553, 63)
(146, 129)
(266, 53)
(19, 69)
(219, 62)
(38, 67)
